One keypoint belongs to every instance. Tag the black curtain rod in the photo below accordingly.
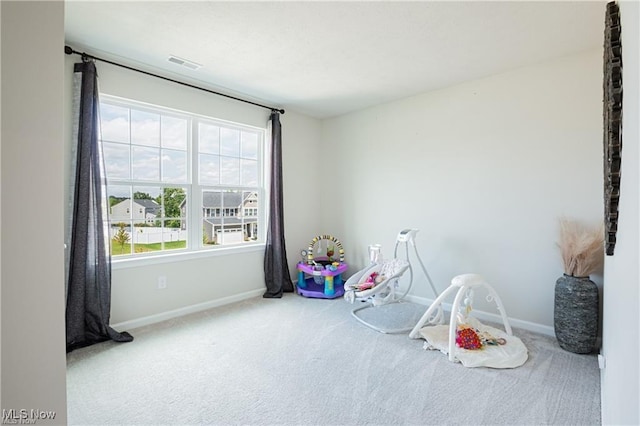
(68, 50)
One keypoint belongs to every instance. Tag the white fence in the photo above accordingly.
(150, 235)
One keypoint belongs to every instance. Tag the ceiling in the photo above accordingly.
(328, 58)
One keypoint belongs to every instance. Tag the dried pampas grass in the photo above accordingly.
(582, 248)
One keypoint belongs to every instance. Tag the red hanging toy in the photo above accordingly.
(467, 338)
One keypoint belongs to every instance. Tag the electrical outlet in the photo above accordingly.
(162, 282)
(601, 362)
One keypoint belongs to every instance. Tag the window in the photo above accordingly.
(178, 181)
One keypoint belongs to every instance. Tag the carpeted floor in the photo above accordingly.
(298, 361)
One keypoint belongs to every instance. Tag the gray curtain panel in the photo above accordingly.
(89, 269)
(276, 270)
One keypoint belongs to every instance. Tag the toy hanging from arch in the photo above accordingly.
(330, 253)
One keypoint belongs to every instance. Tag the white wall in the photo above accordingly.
(211, 280)
(303, 168)
(0, 205)
(33, 334)
(621, 376)
(484, 169)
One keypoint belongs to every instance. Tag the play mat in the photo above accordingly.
(510, 352)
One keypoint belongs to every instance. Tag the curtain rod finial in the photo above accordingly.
(68, 50)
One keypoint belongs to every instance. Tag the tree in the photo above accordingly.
(141, 196)
(115, 200)
(121, 237)
(171, 199)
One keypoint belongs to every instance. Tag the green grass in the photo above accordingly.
(117, 249)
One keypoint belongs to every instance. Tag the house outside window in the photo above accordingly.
(230, 227)
(179, 182)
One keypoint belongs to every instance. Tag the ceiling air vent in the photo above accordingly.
(184, 62)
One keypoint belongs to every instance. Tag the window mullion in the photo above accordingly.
(194, 210)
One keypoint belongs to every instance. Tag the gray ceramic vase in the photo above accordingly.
(575, 314)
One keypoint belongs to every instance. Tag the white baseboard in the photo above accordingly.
(487, 316)
(163, 316)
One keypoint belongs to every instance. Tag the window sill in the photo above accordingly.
(134, 262)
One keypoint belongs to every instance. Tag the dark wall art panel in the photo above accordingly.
(612, 113)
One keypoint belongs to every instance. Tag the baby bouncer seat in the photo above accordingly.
(378, 283)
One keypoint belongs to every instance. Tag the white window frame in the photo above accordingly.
(194, 214)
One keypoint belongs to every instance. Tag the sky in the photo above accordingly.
(147, 146)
